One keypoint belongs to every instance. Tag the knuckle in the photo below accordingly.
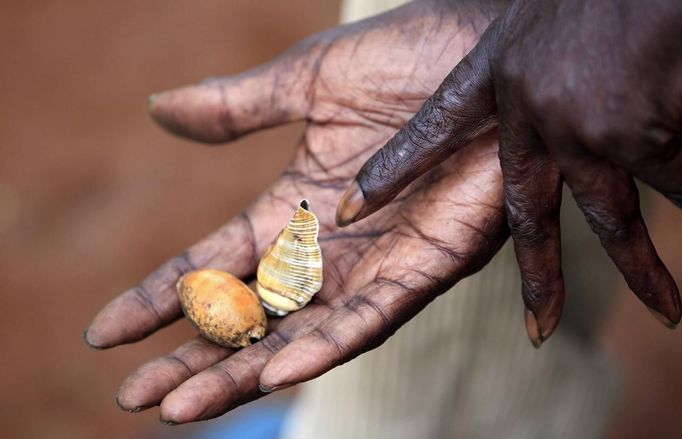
(653, 147)
(600, 133)
(179, 265)
(465, 85)
(540, 286)
(451, 97)
(384, 167)
(429, 126)
(275, 341)
(532, 288)
(611, 228)
(361, 304)
(332, 341)
(147, 302)
(528, 230)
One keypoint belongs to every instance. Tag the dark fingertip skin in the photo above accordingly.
(351, 206)
(670, 312)
(612, 211)
(169, 423)
(541, 323)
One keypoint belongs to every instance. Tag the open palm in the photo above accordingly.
(355, 85)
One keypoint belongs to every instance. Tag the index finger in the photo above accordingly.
(460, 110)
(153, 303)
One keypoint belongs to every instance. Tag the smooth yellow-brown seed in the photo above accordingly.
(222, 308)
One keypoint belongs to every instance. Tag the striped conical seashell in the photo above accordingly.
(290, 271)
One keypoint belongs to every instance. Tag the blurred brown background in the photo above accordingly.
(93, 196)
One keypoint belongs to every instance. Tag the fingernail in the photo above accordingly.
(150, 100)
(87, 342)
(350, 206)
(268, 389)
(156, 101)
(118, 403)
(131, 410)
(533, 329)
(663, 319)
(165, 422)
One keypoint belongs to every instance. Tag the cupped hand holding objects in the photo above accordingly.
(355, 86)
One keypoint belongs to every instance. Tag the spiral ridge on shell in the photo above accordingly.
(290, 272)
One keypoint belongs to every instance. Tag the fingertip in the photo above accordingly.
(195, 111)
(304, 359)
(224, 109)
(670, 314)
(276, 376)
(120, 405)
(150, 102)
(139, 391)
(160, 107)
(551, 315)
(533, 329)
(194, 400)
(542, 321)
(96, 339)
(153, 112)
(88, 343)
(175, 409)
(665, 320)
(664, 304)
(677, 313)
(129, 407)
(101, 334)
(134, 315)
(171, 413)
(266, 389)
(351, 205)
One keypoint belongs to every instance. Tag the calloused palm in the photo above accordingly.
(355, 85)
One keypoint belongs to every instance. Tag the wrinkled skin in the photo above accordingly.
(588, 92)
(355, 85)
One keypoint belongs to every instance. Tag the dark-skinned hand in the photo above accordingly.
(584, 91)
(355, 86)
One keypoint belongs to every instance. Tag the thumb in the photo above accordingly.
(223, 109)
(462, 108)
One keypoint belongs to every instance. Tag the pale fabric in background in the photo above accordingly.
(352, 10)
(464, 368)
